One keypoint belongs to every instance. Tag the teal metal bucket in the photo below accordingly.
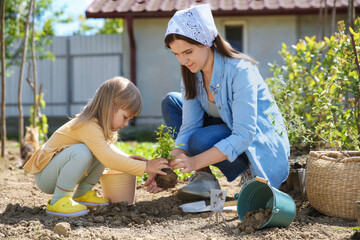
(258, 194)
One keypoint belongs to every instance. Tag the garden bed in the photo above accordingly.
(22, 215)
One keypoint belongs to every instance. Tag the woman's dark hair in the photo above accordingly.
(222, 46)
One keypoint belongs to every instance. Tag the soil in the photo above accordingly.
(254, 220)
(166, 181)
(22, 215)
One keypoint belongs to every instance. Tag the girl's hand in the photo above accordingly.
(151, 185)
(155, 165)
(183, 161)
(136, 157)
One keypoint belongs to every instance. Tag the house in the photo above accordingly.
(256, 27)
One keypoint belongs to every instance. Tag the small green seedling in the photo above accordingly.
(166, 143)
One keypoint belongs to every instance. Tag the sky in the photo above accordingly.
(73, 8)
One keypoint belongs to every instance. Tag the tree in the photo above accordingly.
(16, 13)
(84, 27)
(333, 16)
(33, 54)
(111, 26)
(3, 118)
(351, 15)
(23, 61)
(45, 17)
(16, 16)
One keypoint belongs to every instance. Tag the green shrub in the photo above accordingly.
(317, 89)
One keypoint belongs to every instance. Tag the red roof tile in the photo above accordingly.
(166, 8)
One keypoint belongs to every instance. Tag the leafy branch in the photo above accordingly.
(166, 142)
(318, 90)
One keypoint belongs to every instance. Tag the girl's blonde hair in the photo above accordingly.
(115, 93)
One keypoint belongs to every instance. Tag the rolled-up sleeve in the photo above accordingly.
(244, 114)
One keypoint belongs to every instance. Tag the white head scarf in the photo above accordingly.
(196, 23)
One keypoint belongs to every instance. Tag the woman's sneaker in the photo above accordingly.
(245, 178)
(90, 199)
(66, 207)
(199, 187)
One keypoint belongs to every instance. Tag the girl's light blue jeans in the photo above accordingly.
(73, 165)
(213, 130)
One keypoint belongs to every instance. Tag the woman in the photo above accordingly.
(225, 114)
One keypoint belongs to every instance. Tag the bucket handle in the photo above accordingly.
(236, 196)
(260, 179)
(275, 210)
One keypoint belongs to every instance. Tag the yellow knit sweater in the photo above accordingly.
(92, 135)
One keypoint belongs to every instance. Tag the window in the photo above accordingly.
(234, 34)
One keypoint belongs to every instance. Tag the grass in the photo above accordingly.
(146, 149)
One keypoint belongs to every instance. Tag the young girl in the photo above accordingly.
(225, 113)
(77, 153)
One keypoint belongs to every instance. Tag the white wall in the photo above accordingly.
(158, 71)
(263, 37)
(308, 25)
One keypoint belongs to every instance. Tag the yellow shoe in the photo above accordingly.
(90, 199)
(66, 207)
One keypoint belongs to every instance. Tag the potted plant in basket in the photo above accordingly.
(318, 90)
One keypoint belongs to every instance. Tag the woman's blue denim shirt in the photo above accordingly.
(248, 109)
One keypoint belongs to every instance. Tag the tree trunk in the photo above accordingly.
(320, 21)
(357, 104)
(2, 39)
(33, 52)
(351, 15)
(333, 18)
(324, 28)
(23, 60)
(350, 23)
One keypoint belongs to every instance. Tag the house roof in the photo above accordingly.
(166, 8)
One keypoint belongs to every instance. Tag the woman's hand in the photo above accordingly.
(151, 185)
(155, 165)
(177, 151)
(187, 164)
(136, 157)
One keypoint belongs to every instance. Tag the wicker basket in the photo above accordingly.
(333, 182)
